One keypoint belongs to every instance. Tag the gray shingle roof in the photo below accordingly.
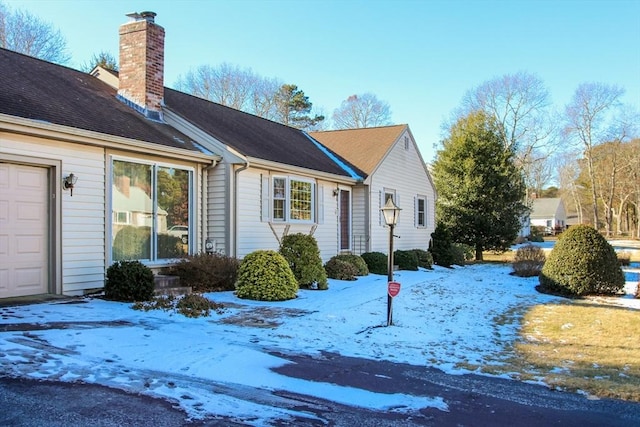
(34, 89)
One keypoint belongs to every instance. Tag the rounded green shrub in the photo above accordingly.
(195, 305)
(528, 261)
(376, 262)
(425, 259)
(266, 276)
(129, 281)
(582, 263)
(303, 255)
(356, 261)
(339, 269)
(405, 260)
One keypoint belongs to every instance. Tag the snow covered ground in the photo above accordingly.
(444, 318)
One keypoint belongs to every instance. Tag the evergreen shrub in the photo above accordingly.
(356, 261)
(303, 255)
(537, 234)
(405, 260)
(582, 263)
(339, 269)
(528, 261)
(195, 305)
(265, 275)
(129, 281)
(425, 259)
(207, 272)
(376, 262)
(441, 246)
(462, 253)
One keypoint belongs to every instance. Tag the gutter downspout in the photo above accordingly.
(234, 235)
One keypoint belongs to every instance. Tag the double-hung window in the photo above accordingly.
(293, 199)
(151, 206)
(421, 211)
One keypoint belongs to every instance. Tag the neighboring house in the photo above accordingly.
(394, 169)
(549, 214)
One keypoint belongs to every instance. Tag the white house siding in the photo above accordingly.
(82, 215)
(401, 170)
(359, 211)
(217, 202)
(253, 233)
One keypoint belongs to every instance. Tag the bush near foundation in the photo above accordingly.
(339, 269)
(129, 281)
(207, 272)
(356, 261)
(582, 263)
(266, 276)
(376, 262)
(425, 259)
(303, 255)
(405, 260)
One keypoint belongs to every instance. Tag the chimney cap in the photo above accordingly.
(146, 15)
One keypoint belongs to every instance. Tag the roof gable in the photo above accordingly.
(255, 136)
(38, 90)
(364, 147)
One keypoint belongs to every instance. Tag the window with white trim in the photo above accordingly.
(151, 207)
(421, 211)
(293, 199)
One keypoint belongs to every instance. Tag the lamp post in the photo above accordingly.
(391, 212)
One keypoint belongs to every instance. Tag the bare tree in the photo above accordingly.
(225, 84)
(592, 118)
(361, 111)
(569, 172)
(521, 105)
(23, 32)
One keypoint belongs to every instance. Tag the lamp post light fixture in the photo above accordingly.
(391, 212)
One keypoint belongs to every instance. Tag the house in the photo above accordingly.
(92, 172)
(394, 169)
(548, 214)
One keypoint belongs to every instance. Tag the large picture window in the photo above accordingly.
(151, 213)
(293, 199)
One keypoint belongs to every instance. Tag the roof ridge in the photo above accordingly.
(362, 129)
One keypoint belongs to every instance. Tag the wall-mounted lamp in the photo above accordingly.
(69, 182)
(336, 191)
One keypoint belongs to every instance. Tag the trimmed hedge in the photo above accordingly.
(582, 263)
(356, 261)
(376, 262)
(425, 259)
(339, 269)
(129, 281)
(265, 275)
(207, 272)
(303, 255)
(405, 260)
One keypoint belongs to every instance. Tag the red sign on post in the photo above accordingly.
(394, 289)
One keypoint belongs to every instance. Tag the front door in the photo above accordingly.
(345, 220)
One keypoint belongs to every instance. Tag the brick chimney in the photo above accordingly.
(141, 82)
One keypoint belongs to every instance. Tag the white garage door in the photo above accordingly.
(24, 230)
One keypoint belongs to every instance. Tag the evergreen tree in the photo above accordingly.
(294, 108)
(480, 188)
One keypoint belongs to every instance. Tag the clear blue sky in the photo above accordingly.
(419, 56)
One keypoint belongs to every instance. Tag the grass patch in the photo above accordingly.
(582, 346)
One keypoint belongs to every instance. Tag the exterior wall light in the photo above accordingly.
(391, 212)
(69, 182)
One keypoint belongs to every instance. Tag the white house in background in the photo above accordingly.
(549, 214)
(394, 169)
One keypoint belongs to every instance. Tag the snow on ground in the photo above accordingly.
(221, 364)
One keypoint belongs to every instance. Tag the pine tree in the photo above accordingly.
(480, 188)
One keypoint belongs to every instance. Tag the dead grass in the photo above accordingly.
(582, 346)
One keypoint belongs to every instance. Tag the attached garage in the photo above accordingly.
(24, 230)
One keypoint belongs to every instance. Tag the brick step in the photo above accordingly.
(169, 285)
